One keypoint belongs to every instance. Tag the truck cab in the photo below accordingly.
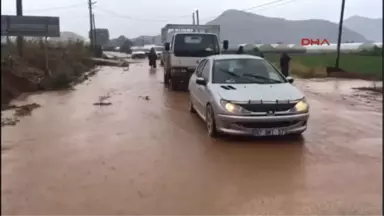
(184, 51)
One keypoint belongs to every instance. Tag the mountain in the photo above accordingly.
(244, 27)
(372, 29)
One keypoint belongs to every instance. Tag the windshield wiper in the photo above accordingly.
(229, 72)
(262, 77)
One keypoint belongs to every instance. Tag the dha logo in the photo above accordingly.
(310, 42)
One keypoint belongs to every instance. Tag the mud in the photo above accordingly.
(349, 92)
(25, 110)
(154, 157)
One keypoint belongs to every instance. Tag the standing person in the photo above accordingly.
(152, 56)
(284, 63)
(240, 50)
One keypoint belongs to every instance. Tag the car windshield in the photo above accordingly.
(245, 70)
(197, 45)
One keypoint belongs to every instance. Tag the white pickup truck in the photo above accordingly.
(184, 49)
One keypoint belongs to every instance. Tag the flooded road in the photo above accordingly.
(139, 156)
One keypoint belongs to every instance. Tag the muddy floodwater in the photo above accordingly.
(144, 153)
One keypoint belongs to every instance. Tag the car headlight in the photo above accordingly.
(233, 108)
(301, 106)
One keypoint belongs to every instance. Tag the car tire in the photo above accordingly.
(190, 105)
(295, 136)
(210, 122)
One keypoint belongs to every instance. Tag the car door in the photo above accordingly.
(203, 91)
(193, 87)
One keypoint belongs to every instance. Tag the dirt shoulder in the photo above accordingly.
(351, 92)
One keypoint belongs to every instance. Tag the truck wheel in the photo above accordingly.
(166, 78)
(173, 85)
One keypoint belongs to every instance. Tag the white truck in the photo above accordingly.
(184, 49)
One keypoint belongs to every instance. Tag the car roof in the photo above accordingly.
(232, 56)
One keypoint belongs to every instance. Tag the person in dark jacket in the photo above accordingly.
(152, 56)
(240, 50)
(284, 63)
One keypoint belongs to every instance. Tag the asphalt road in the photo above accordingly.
(141, 156)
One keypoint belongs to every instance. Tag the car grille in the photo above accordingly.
(267, 124)
(267, 107)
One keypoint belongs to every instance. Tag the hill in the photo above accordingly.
(267, 30)
(372, 29)
(243, 27)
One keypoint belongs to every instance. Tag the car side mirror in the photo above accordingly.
(225, 44)
(201, 81)
(289, 79)
(167, 46)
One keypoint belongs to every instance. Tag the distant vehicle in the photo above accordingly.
(159, 51)
(138, 54)
(182, 53)
(246, 95)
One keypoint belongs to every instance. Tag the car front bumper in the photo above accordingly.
(246, 125)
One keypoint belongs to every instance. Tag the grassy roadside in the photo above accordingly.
(315, 64)
(42, 67)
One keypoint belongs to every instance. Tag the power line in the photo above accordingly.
(57, 8)
(262, 5)
(283, 3)
(259, 6)
(138, 19)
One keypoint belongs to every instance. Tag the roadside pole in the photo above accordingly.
(197, 19)
(90, 25)
(340, 33)
(19, 12)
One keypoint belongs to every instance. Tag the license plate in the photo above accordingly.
(269, 132)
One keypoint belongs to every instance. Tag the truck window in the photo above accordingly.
(206, 69)
(171, 45)
(199, 69)
(195, 45)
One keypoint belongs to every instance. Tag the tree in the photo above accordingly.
(102, 36)
(126, 47)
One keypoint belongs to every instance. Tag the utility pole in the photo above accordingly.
(340, 33)
(94, 30)
(90, 23)
(19, 12)
(193, 21)
(197, 17)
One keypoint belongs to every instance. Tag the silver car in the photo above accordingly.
(246, 95)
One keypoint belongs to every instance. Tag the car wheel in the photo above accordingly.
(190, 106)
(210, 122)
(296, 136)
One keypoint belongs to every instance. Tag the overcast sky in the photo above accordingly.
(145, 17)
